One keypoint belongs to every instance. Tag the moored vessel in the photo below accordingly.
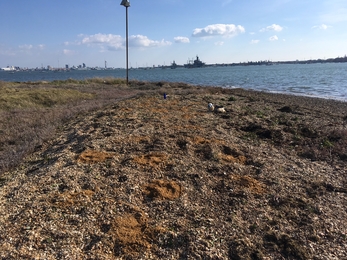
(197, 63)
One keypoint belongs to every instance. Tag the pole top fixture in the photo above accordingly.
(125, 3)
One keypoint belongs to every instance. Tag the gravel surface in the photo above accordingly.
(155, 178)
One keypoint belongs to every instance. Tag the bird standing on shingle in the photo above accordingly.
(210, 107)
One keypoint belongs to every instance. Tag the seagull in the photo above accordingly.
(215, 108)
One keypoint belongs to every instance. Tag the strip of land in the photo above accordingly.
(137, 176)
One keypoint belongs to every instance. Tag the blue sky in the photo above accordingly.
(58, 32)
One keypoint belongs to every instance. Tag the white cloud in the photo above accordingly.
(321, 27)
(228, 30)
(29, 48)
(255, 41)
(273, 27)
(26, 47)
(143, 41)
(219, 43)
(180, 39)
(273, 38)
(116, 42)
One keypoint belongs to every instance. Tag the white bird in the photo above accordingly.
(210, 107)
(219, 109)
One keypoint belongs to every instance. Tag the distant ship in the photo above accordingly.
(173, 65)
(8, 68)
(194, 64)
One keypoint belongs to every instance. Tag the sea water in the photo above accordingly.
(326, 80)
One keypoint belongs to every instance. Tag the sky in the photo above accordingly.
(58, 32)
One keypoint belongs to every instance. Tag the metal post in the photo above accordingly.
(127, 44)
(126, 4)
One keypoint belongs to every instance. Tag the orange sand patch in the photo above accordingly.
(132, 234)
(91, 156)
(249, 183)
(162, 189)
(153, 159)
(229, 158)
(128, 232)
(68, 198)
(200, 140)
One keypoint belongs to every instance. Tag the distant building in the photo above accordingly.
(67, 66)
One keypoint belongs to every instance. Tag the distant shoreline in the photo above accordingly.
(248, 63)
(327, 81)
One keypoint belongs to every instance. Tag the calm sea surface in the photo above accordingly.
(327, 80)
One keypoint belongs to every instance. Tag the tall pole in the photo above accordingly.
(126, 4)
(127, 44)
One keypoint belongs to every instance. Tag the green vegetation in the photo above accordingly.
(232, 98)
(11, 98)
(31, 112)
(107, 81)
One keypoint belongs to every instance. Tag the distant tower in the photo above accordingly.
(105, 64)
(84, 65)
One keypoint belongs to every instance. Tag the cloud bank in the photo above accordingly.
(143, 41)
(180, 39)
(227, 30)
(116, 42)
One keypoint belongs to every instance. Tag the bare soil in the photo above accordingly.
(155, 178)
